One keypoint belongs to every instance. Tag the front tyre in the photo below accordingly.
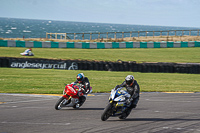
(107, 112)
(59, 103)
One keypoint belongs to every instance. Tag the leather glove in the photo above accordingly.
(128, 101)
(81, 85)
(116, 87)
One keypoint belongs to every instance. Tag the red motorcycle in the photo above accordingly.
(70, 97)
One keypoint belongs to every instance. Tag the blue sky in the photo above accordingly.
(183, 13)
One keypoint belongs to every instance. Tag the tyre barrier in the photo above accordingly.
(159, 67)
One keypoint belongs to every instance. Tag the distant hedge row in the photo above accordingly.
(160, 67)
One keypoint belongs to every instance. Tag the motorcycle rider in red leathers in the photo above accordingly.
(133, 89)
(85, 84)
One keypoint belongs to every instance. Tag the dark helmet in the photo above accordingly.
(80, 77)
(129, 79)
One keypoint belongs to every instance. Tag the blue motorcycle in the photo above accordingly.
(117, 106)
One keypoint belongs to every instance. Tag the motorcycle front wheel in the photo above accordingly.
(60, 103)
(107, 112)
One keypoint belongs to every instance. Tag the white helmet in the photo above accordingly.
(129, 79)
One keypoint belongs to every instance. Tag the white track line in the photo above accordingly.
(26, 101)
(28, 123)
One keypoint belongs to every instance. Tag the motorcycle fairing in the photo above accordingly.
(119, 94)
(70, 90)
(120, 98)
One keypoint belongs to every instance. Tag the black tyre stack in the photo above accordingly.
(159, 67)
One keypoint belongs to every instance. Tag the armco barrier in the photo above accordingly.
(160, 67)
(97, 45)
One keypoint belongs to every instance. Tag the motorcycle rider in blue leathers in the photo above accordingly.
(85, 84)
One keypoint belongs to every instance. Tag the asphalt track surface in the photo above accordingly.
(155, 113)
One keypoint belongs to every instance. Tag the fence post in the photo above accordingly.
(56, 35)
(190, 33)
(46, 35)
(90, 36)
(130, 34)
(74, 36)
(99, 35)
(107, 35)
(122, 35)
(182, 33)
(161, 33)
(153, 34)
(65, 36)
(83, 36)
(175, 32)
(115, 35)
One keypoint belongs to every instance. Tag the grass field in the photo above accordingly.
(14, 80)
(51, 81)
(137, 54)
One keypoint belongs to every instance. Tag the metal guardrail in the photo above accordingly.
(115, 35)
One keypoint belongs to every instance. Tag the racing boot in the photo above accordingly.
(81, 100)
(125, 113)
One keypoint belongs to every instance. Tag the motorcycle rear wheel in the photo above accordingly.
(59, 103)
(107, 112)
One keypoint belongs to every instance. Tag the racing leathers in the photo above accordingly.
(85, 84)
(133, 90)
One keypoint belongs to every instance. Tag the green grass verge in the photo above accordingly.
(184, 55)
(51, 81)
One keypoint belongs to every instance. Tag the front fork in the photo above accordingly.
(114, 107)
(67, 98)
